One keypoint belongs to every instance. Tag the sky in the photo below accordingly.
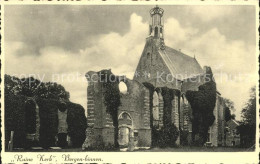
(61, 43)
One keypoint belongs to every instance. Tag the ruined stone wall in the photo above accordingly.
(176, 113)
(185, 120)
(221, 122)
(175, 110)
(136, 103)
(100, 129)
(217, 129)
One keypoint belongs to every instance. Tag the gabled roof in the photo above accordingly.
(180, 65)
(232, 123)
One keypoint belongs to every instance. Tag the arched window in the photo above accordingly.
(125, 124)
(122, 87)
(161, 32)
(156, 32)
(148, 55)
(125, 116)
(151, 30)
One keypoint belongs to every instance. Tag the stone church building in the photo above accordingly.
(159, 66)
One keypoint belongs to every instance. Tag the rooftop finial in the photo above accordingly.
(156, 10)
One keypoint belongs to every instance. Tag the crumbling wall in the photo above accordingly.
(185, 121)
(100, 131)
(135, 102)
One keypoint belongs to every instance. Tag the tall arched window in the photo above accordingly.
(156, 32)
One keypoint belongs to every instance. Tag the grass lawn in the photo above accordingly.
(178, 149)
(199, 149)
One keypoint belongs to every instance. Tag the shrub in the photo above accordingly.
(184, 134)
(48, 121)
(166, 136)
(77, 124)
(76, 119)
(15, 119)
(30, 116)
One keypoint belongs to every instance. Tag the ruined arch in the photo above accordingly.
(125, 122)
(123, 87)
(126, 119)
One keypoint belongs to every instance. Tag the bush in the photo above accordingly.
(77, 124)
(15, 119)
(184, 134)
(76, 119)
(48, 111)
(166, 136)
(30, 116)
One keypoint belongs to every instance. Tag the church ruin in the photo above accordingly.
(143, 105)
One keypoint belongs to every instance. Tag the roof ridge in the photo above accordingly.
(179, 63)
(171, 65)
(169, 60)
(181, 53)
(235, 121)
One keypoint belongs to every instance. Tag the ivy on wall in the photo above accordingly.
(168, 95)
(111, 95)
(202, 103)
(168, 134)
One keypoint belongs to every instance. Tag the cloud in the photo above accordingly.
(176, 34)
(232, 61)
(210, 13)
(53, 63)
(121, 53)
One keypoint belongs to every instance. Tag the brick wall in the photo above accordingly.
(213, 130)
(135, 102)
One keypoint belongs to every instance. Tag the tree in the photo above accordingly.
(52, 90)
(229, 104)
(229, 108)
(32, 87)
(247, 129)
(249, 111)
